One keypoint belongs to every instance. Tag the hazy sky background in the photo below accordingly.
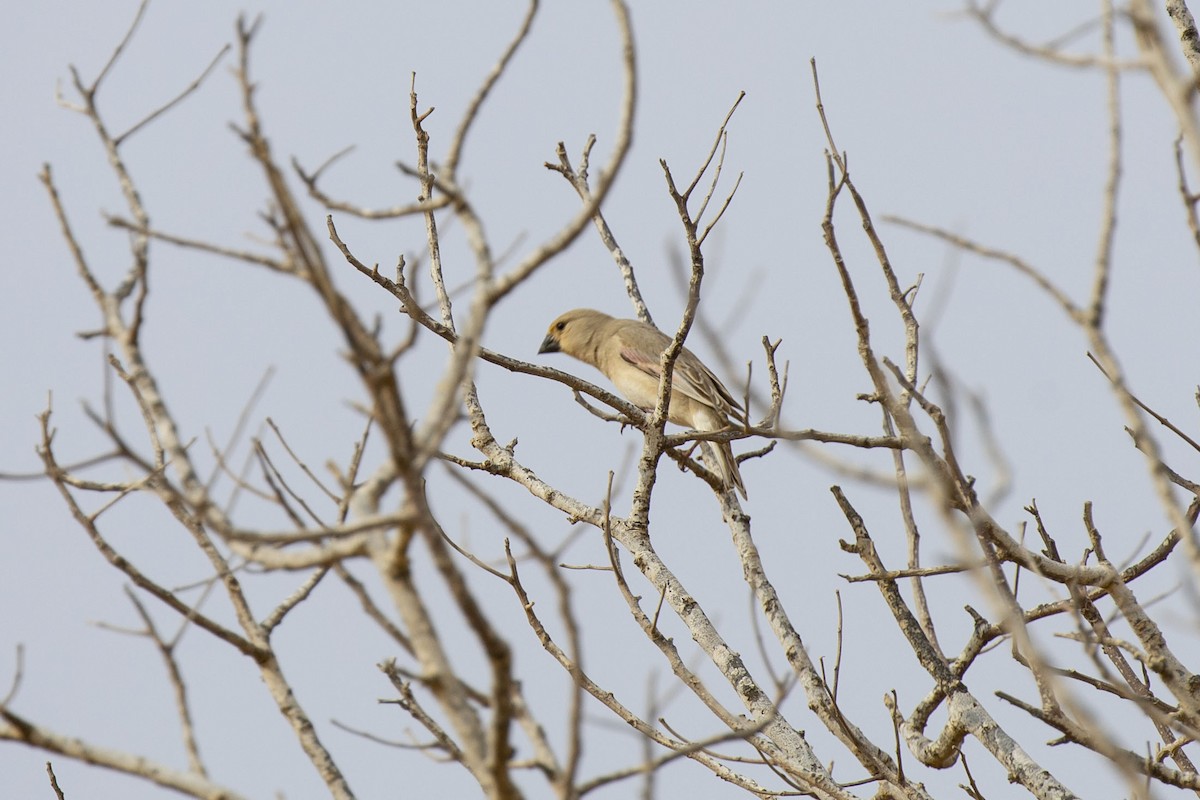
(941, 125)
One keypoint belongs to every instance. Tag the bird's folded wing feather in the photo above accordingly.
(689, 379)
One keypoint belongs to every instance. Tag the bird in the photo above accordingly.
(628, 352)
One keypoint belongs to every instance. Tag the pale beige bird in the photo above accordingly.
(628, 352)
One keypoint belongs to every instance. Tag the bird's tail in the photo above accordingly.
(719, 457)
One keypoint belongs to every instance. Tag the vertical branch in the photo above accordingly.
(578, 178)
(1189, 38)
(182, 707)
(1108, 221)
(624, 140)
(425, 176)
(468, 119)
(1177, 87)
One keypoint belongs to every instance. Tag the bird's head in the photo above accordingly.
(572, 330)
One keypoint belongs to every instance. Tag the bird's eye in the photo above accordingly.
(560, 326)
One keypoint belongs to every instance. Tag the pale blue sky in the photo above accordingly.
(941, 124)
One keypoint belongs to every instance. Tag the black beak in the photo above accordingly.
(549, 345)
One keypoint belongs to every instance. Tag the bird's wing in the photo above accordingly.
(700, 383)
(690, 377)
